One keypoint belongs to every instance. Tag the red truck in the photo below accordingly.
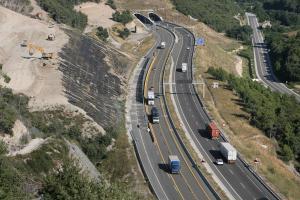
(213, 130)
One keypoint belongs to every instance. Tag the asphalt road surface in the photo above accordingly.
(153, 156)
(236, 177)
(263, 66)
(188, 183)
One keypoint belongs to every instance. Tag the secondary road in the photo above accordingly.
(263, 68)
(235, 177)
(154, 156)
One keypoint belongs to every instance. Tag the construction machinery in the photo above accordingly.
(24, 43)
(33, 48)
(51, 37)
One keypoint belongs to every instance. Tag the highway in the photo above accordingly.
(153, 155)
(235, 177)
(263, 67)
(153, 152)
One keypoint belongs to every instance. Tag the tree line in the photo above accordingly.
(285, 55)
(62, 11)
(217, 14)
(40, 172)
(282, 37)
(277, 115)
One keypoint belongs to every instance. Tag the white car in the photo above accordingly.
(219, 162)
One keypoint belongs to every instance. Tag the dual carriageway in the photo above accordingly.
(237, 180)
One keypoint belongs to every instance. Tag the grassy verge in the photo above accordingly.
(226, 108)
(248, 69)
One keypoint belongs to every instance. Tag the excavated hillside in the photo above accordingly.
(92, 77)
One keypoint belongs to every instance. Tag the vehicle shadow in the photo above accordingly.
(204, 133)
(216, 154)
(164, 167)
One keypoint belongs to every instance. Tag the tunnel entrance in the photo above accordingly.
(154, 17)
(143, 19)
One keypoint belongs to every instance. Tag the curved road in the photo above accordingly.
(241, 183)
(263, 68)
(153, 156)
(236, 178)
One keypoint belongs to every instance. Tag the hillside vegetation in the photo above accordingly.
(285, 55)
(285, 47)
(218, 14)
(276, 114)
(49, 171)
(62, 11)
(21, 6)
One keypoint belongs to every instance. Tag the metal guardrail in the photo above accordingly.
(257, 176)
(178, 135)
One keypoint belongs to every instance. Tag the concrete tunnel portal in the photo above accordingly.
(143, 19)
(154, 17)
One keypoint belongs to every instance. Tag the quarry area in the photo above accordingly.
(74, 82)
(30, 75)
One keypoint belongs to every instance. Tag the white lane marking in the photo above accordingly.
(199, 144)
(243, 185)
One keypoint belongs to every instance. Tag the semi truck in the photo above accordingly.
(155, 115)
(213, 130)
(162, 45)
(228, 151)
(174, 164)
(150, 97)
(184, 67)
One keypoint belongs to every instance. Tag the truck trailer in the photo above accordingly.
(184, 67)
(155, 115)
(213, 130)
(228, 151)
(174, 164)
(150, 96)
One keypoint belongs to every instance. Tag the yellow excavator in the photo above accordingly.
(32, 48)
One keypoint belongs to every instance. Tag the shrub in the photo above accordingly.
(122, 17)
(242, 33)
(111, 3)
(102, 33)
(124, 33)
(6, 78)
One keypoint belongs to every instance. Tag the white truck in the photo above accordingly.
(228, 151)
(163, 45)
(150, 97)
(184, 67)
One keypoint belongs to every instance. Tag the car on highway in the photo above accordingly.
(219, 161)
(188, 48)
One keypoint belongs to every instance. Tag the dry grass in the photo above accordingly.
(121, 165)
(142, 4)
(251, 142)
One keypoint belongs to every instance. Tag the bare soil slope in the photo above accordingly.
(98, 14)
(30, 75)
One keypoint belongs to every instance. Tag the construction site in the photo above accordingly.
(69, 74)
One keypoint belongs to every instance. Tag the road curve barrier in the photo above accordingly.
(178, 136)
(257, 176)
